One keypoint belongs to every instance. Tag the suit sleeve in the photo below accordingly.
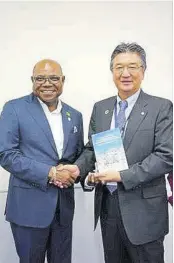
(11, 158)
(86, 161)
(80, 146)
(160, 161)
(81, 137)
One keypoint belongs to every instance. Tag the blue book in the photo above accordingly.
(109, 151)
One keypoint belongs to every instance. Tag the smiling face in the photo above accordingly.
(128, 73)
(48, 81)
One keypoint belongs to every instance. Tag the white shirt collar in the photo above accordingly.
(130, 100)
(45, 107)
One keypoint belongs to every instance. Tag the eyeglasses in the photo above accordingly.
(131, 69)
(42, 79)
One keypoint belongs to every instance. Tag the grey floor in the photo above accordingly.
(87, 244)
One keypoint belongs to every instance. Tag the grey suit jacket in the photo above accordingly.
(148, 146)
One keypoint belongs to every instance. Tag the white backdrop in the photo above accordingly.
(81, 37)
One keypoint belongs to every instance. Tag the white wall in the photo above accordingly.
(82, 36)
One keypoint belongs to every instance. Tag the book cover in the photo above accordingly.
(109, 151)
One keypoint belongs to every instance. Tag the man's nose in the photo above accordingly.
(125, 72)
(47, 82)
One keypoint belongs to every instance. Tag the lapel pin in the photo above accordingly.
(68, 115)
(107, 111)
(142, 113)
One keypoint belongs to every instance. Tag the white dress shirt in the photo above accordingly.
(131, 102)
(55, 121)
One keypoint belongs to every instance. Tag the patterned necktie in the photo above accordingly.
(120, 121)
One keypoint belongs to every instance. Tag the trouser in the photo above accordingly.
(117, 247)
(32, 244)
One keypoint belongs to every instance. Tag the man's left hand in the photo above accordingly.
(108, 176)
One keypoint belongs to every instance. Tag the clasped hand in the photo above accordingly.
(63, 176)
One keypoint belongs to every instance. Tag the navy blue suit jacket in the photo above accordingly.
(28, 151)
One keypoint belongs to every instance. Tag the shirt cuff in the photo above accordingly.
(86, 184)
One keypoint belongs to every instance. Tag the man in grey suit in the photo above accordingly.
(133, 215)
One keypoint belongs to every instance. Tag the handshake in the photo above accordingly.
(63, 176)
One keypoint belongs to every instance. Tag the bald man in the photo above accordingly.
(38, 134)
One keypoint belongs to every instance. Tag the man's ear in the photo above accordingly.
(32, 79)
(63, 79)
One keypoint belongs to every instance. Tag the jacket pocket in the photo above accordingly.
(154, 191)
(20, 183)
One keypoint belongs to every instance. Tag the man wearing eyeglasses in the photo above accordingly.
(134, 211)
(38, 134)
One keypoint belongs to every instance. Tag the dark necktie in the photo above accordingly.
(120, 121)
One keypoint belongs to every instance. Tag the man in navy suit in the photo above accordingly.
(38, 134)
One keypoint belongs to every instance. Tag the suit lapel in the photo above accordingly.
(67, 123)
(136, 116)
(39, 116)
(107, 113)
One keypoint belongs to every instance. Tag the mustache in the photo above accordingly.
(41, 85)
